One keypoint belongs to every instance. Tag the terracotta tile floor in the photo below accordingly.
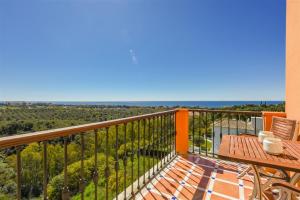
(196, 177)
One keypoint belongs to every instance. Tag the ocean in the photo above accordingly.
(208, 104)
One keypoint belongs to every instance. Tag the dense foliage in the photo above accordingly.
(17, 119)
(253, 107)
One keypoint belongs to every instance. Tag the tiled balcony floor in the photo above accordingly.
(197, 177)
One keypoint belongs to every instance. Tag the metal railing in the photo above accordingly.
(133, 149)
(206, 128)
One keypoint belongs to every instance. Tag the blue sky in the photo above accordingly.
(101, 50)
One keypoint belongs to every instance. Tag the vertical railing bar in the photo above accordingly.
(158, 141)
(172, 134)
(157, 154)
(169, 137)
(139, 154)
(19, 172)
(164, 139)
(237, 124)
(175, 133)
(172, 139)
(144, 151)
(161, 140)
(117, 162)
(255, 131)
(125, 160)
(246, 123)
(213, 133)
(132, 157)
(202, 119)
(153, 145)
(168, 133)
(81, 181)
(206, 133)
(45, 169)
(193, 131)
(95, 174)
(106, 162)
(148, 147)
(221, 126)
(65, 192)
(228, 123)
(199, 131)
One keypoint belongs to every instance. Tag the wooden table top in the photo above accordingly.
(249, 150)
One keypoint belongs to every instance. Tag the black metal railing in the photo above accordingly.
(105, 160)
(206, 128)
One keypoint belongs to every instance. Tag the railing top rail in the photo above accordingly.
(228, 111)
(27, 138)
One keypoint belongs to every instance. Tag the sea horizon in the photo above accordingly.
(208, 104)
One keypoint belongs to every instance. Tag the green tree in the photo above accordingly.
(7, 180)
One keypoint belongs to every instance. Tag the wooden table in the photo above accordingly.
(249, 150)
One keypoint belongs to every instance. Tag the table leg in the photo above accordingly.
(257, 189)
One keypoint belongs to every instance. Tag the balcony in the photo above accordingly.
(140, 157)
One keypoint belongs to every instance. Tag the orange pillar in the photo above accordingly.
(182, 131)
(292, 56)
(268, 116)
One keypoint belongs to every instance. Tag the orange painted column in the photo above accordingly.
(182, 131)
(268, 116)
(292, 56)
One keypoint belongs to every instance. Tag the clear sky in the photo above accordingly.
(101, 50)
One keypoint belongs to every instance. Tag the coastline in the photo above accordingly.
(207, 104)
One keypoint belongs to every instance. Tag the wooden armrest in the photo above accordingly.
(286, 186)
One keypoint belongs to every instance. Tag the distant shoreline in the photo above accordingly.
(208, 104)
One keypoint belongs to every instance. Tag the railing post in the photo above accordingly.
(182, 131)
(268, 116)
